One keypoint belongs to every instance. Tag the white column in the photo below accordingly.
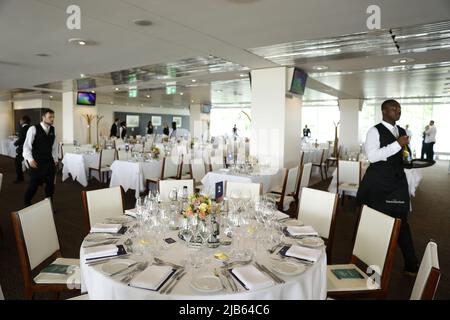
(6, 119)
(68, 99)
(195, 122)
(349, 123)
(276, 119)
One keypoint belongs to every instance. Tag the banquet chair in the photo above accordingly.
(122, 155)
(216, 163)
(278, 190)
(165, 186)
(2, 297)
(171, 168)
(318, 209)
(428, 276)
(321, 165)
(104, 164)
(331, 161)
(373, 251)
(197, 172)
(288, 187)
(348, 177)
(255, 189)
(38, 247)
(101, 204)
(1, 180)
(305, 178)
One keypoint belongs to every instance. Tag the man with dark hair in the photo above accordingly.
(40, 150)
(115, 129)
(384, 186)
(24, 126)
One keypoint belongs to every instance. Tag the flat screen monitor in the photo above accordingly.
(206, 108)
(86, 98)
(298, 83)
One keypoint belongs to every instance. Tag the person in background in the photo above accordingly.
(150, 127)
(115, 128)
(166, 130)
(24, 126)
(123, 129)
(384, 186)
(306, 131)
(430, 140)
(40, 150)
(409, 134)
(424, 146)
(173, 130)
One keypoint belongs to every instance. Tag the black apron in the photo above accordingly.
(384, 186)
(42, 153)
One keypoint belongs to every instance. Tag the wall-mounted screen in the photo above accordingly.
(86, 98)
(298, 83)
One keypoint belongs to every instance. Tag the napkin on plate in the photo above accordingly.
(106, 227)
(301, 231)
(152, 277)
(100, 251)
(252, 278)
(131, 212)
(280, 215)
(303, 253)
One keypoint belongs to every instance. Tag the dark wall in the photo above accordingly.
(144, 118)
(34, 114)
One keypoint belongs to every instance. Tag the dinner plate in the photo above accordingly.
(312, 242)
(287, 268)
(116, 265)
(206, 283)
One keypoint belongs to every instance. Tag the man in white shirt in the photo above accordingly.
(40, 151)
(430, 140)
(384, 186)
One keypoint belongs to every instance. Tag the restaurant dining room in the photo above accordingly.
(224, 150)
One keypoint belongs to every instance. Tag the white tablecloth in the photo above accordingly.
(309, 285)
(7, 148)
(412, 175)
(132, 175)
(270, 180)
(78, 165)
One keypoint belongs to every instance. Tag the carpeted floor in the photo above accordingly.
(428, 221)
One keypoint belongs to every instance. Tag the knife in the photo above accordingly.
(122, 270)
(270, 273)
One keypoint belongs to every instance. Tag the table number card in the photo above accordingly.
(219, 191)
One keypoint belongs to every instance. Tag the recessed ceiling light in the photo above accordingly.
(42, 54)
(403, 60)
(219, 91)
(193, 80)
(51, 97)
(148, 96)
(242, 75)
(192, 101)
(117, 89)
(82, 75)
(93, 91)
(111, 102)
(181, 93)
(142, 22)
(319, 68)
(82, 42)
(142, 105)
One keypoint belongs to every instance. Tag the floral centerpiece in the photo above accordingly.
(199, 206)
(155, 151)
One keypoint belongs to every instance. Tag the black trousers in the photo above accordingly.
(424, 150)
(405, 241)
(44, 174)
(19, 171)
(429, 150)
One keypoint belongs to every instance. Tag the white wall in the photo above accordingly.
(6, 118)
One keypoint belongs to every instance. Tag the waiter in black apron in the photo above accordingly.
(384, 186)
(40, 150)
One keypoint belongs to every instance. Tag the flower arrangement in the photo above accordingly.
(200, 206)
(155, 151)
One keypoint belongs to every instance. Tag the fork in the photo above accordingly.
(130, 275)
(178, 278)
(159, 261)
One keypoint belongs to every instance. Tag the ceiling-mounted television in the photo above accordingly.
(86, 98)
(298, 83)
(206, 108)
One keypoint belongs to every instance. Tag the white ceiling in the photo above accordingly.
(198, 28)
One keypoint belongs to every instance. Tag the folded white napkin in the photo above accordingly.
(131, 212)
(303, 253)
(252, 278)
(280, 215)
(100, 251)
(106, 227)
(301, 231)
(152, 277)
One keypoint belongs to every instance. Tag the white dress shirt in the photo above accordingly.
(28, 145)
(430, 134)
(372, 146)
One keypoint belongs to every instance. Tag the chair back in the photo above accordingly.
(349, 172)
(107, 157)
(171, 167)
(292, 179)
(428, 276)
(2, 297)
(375, 243)
(35, 233)
(255, 189)
(306, 175)
(101, 204)
(1, 180)
(217, 162)
(122, 155)
(165, 186)
(197, 169)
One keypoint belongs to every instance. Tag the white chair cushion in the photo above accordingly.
(104, 203)
(336, 285)
(351, 187)
(70, 279)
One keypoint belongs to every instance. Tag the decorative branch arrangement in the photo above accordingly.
(89, 118)
(99, 118)
(336, 140)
